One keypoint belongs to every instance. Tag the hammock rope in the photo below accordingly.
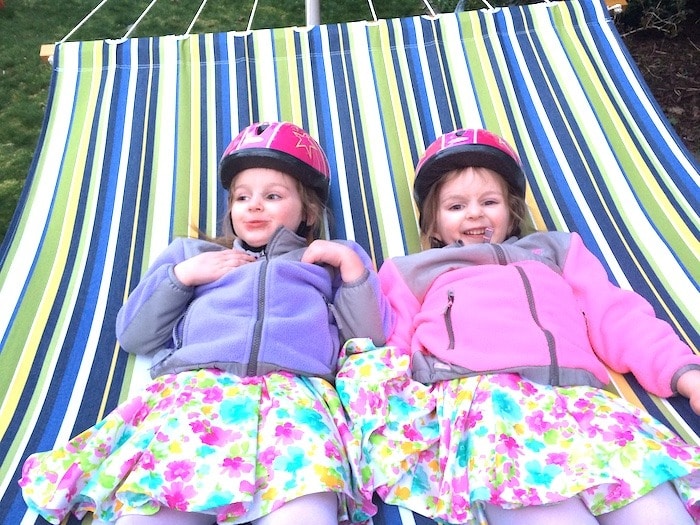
(133, 26)
(430, 8)
(85, 19)
(371, 8)
(196, 17)
(138, 20)
(370, 3)
(252, 15)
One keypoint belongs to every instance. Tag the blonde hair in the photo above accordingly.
(427, 220)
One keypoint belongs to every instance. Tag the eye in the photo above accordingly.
(455, 207)
(241, 197)
(273, 196)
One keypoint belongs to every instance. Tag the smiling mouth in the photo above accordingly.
(484, 234)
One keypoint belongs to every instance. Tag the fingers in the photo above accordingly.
(322, 251)
(313, 253)
(207, 267)
(337, 255)
(233, 258)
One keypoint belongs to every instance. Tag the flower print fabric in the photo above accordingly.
(443, 450)
(202, 441)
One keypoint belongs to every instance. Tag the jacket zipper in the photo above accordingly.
(501, 257)
(551, 344)
(448, 319)
(177, 329)
(500, 254)
(257, 330)
(177, 338)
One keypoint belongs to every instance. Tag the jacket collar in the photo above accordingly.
(283, 240)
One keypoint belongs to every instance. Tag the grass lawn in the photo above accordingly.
(27, 24)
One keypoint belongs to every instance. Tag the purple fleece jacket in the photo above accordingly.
(276, 313)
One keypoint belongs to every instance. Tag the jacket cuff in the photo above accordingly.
(177, 284)
(682, 370)
(359, 281)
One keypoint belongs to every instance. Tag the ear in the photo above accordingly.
(310, 218)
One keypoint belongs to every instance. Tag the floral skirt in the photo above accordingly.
(444, 450)
(203, 441)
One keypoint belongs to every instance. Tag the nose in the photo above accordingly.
(255, 202)
(473, 210)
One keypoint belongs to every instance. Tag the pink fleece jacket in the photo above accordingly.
(541, 306)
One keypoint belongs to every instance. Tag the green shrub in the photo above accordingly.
(665, 16)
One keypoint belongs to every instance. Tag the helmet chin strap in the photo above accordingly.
(302, 229)
(436, 243)
(255, 249)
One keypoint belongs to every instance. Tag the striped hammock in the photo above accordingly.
(133, 132)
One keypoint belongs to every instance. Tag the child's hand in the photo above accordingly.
(689, 386)
(207, 267)
(342, 257)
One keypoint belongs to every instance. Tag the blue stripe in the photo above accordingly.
(204, 131)
(231, 94)
(417, 78)
(431, 45)
(321, 89)
(345, 115)
(224, 97)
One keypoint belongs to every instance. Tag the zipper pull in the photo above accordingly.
(448, 319)
(450, 301)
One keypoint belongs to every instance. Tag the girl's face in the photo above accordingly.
(470, 201)
(262, 200)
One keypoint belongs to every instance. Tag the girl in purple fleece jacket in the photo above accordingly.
(241, 423)
(488, 404)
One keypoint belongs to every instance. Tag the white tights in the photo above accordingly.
(661, 506)
(164, 516)
(319, 509)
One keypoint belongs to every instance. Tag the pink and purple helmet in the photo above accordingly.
(277, 145)
(463, 148)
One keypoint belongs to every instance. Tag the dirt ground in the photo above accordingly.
(671, 67)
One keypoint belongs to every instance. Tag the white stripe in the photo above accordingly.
(103, 115)
(406, 516)
(554, 49)
(460, 79)
(165, 151)
(268, 103)
(341, 168)
(29, 236)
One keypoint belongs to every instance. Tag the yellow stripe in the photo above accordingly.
(578, 55)
(195, 143)
(647, 188)
(399, 143)
(56, 246)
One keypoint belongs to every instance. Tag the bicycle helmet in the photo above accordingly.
(467, 147)
(277, 145)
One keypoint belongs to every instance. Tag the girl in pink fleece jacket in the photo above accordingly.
(489, 402)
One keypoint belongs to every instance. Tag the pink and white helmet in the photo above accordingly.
(463, 148)
(277, 145)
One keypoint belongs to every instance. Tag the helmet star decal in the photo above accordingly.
(304, 141)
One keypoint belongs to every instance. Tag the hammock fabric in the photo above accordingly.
(134, 129)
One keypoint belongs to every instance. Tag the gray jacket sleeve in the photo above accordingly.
(360, 308)
(146, 320)
(145, 323)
